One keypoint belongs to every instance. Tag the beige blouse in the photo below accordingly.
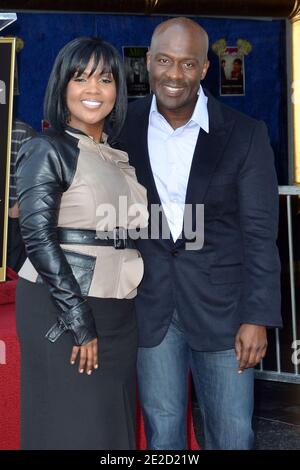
(104, 194)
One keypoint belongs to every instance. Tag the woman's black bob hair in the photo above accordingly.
(73, 59)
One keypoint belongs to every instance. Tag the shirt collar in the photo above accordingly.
(200, 114)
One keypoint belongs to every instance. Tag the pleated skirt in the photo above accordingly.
(60, 408)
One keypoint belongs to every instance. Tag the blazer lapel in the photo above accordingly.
(208, 151)
(143, 161)
(145, 174)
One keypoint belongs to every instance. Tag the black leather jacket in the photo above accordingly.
(45, 168)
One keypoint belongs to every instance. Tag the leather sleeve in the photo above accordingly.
(41, 180)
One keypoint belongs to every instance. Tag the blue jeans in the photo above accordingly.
(225, 397)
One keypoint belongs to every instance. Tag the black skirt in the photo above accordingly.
(60, 408)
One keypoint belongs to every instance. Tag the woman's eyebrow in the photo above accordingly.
(85, 74)
(77, 73)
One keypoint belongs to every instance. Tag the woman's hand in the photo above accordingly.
(88, 356)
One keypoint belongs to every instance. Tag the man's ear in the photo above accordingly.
(205, 69)
(148, 55)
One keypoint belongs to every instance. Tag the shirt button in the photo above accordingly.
(174, 253)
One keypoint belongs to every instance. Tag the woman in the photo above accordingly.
(78, 282)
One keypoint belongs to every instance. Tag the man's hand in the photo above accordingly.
(13, 211)
(250, 345)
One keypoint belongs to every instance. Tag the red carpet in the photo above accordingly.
(10, 381)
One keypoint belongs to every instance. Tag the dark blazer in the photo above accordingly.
(235, 277)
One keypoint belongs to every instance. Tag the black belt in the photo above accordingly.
(118, 238)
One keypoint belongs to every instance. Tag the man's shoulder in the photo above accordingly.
(239, 116)
(140, 105)
(22, 128)
(216, 107)
(137, 114)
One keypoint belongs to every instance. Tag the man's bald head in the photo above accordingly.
(182, 24)
(177, 62)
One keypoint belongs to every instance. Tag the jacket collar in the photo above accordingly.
(208, 152)
(73, 130)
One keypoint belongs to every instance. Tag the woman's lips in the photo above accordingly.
(91, 104)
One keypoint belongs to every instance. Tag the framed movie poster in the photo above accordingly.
(135, 62)
(7, 60)
(232, 72)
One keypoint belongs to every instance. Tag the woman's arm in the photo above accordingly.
(41, 180)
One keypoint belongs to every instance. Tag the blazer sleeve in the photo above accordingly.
(258, 208)
(40, 184)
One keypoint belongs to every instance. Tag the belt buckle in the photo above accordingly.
(119, 238)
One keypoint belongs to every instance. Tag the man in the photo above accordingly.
(21, 132)
(237, 70)
(206, 309)
(222, 70)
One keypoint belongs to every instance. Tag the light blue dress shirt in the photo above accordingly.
(171, 153)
